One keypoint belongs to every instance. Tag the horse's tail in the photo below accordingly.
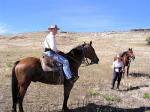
(15, 89)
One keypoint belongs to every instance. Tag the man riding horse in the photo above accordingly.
(30, 69)
(52, 52)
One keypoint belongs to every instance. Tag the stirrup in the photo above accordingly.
(70, 81)
(75, 78)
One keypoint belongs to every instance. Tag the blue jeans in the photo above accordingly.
(117, 76)
(62, 60)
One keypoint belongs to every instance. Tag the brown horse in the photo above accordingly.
(29, 70)
(127, 56)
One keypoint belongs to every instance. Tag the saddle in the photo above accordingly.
(49, 64)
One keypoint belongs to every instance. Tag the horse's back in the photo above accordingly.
(30, 68)
(27, 68)
(28, 64)
(29, 60)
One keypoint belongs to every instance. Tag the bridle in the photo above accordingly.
(85, 60)
(130, 56)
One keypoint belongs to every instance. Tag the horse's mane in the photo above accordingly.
(125, 52)
(76, 50)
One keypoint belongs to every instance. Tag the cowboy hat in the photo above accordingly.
(53, 26)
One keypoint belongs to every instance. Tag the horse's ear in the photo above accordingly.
(84, 44)
(90, 42)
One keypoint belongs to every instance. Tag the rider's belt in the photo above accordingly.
(47, 49)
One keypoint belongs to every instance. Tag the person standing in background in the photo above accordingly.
(117, 71)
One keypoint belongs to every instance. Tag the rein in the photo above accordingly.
(84, 58)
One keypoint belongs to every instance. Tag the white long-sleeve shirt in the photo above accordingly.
(50, 42)
(117, 64)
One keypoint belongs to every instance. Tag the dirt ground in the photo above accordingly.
(91, 93)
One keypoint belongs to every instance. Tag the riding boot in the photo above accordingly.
(113, 84)
(119, 79)
(118, 84)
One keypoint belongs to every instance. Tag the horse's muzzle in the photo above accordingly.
(133, 57)
(95, 61)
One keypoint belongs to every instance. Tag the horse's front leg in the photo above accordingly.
(123, 71)
(67, 89)
(128, 69)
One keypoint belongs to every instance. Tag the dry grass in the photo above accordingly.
(95, 80)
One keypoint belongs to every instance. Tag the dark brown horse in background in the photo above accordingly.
(127, 56)
(29, 70)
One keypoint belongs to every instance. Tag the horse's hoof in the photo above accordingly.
(65, 110)
(13, 110)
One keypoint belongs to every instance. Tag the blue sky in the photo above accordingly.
(73, 15)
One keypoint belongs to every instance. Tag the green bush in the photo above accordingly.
(147, 95)
(112, 98)
(92, 92)
(148, 40)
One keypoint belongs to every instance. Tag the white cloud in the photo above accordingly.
(3, 28)
(6, 29)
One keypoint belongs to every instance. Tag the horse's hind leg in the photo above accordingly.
(15, 98)
(22, 91)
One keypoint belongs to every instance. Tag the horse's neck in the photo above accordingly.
(75, 60)
(123, 54)
(75, 57)
(126, 58)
